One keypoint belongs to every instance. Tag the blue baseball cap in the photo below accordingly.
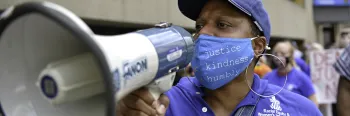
(253, 8)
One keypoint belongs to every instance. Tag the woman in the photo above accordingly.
(231, 36)
(297, 81)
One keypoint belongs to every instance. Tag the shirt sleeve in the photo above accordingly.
(342, 65)
(306, 88)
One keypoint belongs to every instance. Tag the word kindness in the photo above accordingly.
(225, 63)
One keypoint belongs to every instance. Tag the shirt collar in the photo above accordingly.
(258, 86)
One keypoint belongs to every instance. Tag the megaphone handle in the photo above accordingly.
(161, 85)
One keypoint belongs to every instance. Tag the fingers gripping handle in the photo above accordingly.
(161, 85)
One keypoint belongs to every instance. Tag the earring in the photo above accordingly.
(274, 93)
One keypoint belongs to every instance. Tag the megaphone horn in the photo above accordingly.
(34, 34)
(52, 64)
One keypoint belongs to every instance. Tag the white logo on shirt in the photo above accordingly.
(276, 109)
(275, 104)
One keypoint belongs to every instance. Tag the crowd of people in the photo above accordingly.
(292, 72)
(287, 65)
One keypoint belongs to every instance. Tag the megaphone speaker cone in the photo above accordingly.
(34, 35)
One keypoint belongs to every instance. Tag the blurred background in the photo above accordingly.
(308, 24)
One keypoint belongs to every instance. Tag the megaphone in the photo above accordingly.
(52, 64)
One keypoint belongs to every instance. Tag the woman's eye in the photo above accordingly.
(223, 25)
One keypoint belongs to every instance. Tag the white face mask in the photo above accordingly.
(344, 42)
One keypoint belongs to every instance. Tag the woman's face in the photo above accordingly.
(221, 19)
(283, 52)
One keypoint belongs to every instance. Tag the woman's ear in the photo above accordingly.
(259, 45)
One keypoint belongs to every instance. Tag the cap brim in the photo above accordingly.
(191, 8)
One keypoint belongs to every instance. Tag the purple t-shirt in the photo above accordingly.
(186, 100)
(297, 82)
(303, 66)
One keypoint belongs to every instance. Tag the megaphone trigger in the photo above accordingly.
(161, 85)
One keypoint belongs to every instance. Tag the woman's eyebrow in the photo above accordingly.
(233, 20)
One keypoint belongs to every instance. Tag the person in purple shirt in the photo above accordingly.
(297, 81)
(303, 66)
(231, 36)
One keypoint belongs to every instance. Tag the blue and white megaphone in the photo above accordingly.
(52, 64)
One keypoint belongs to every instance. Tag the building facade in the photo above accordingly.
(290, 19)
(332, 18)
